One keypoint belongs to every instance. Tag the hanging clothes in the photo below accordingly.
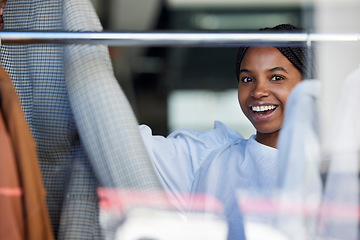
(300, 185)
(339, 215)
(11, 208)
(106, 123)
(23, 207)
(78, 114)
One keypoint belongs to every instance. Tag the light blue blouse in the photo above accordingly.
(216, 162)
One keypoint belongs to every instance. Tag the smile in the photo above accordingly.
(262, 113)
(262, 109)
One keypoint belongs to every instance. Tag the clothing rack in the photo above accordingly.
(204, 39)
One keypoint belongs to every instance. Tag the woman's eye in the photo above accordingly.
(246, 79)
(277, 78)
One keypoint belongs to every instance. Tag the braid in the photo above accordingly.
(298, 55)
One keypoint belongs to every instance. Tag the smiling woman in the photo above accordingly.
(266, 76)
(220, 161)
(265, 81)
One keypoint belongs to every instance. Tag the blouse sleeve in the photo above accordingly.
(177, 157)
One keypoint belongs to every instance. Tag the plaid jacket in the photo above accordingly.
(86, 133)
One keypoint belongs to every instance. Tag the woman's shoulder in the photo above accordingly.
(196, 144)
(220, 134)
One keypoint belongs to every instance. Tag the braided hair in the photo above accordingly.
(297, 55)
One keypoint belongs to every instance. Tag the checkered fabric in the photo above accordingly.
(86, 132)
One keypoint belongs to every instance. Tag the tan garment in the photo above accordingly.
(23, 198)
(11, 208)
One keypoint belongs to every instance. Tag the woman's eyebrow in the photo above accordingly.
(245, 70)
(277, 69)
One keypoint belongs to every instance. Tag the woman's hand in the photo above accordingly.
(2, 6)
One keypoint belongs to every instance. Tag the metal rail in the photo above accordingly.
(168, 39)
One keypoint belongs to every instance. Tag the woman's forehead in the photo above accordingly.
(256, 55)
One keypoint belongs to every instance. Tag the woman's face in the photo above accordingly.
(265, 81)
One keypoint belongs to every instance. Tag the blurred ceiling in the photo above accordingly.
(226, 3)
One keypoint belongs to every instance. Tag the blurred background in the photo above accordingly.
(191, 87)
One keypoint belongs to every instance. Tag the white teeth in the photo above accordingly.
(262, 108)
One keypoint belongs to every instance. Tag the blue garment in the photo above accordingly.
(342, 148)
(299, 161)
(217, 162)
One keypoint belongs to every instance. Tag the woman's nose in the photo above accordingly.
(260, 90)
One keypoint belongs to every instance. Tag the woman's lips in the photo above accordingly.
(262, 112)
